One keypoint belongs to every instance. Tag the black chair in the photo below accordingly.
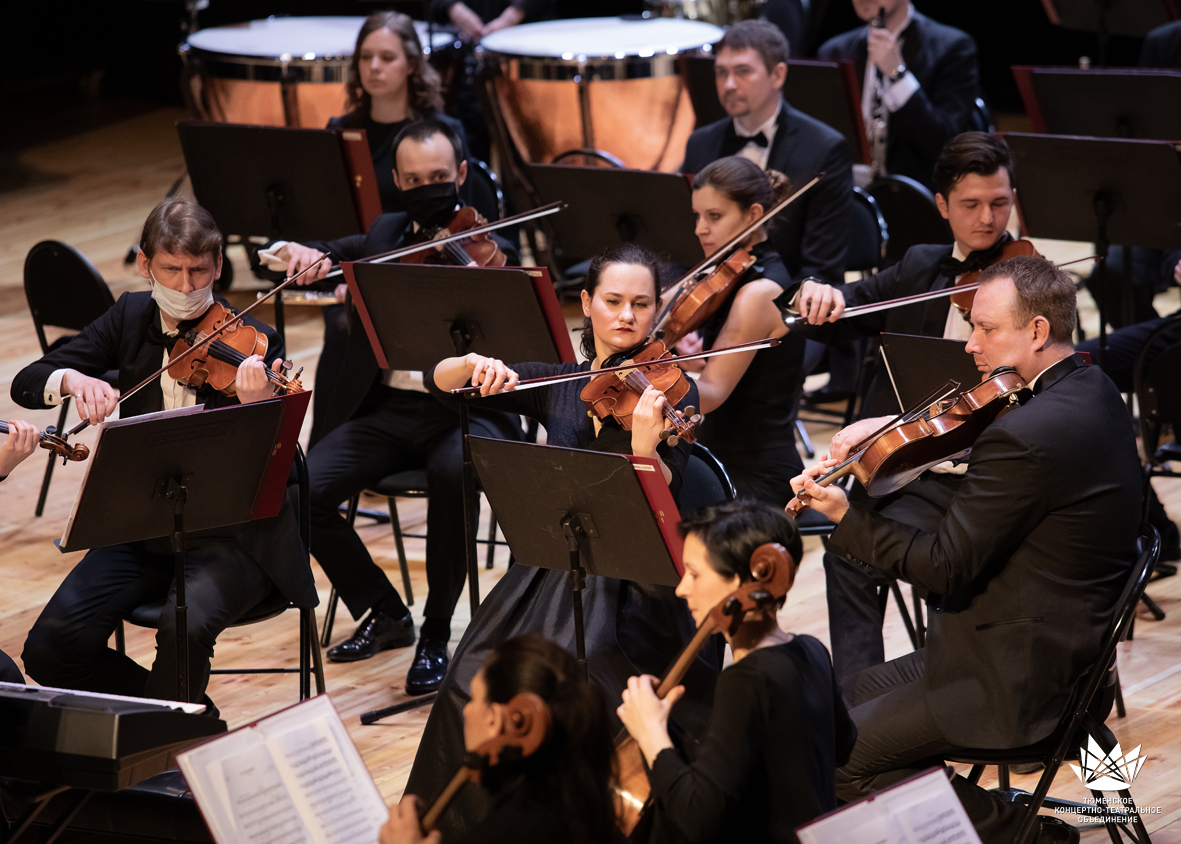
(909, 210)
(409, 484)
(705, 483)
(1083, 717)
(482, 190)
(310, 661)
(982, 117)
(869, 236)
(63, 290)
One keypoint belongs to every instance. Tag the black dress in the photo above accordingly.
(753, 431)
(381, 147)
(768, 761)
(631, 628)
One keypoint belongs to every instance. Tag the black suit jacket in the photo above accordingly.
(943, 60)
(917, 272)
(1162, 46)
(1028, 563)
(118, 341)
(811, 234)
(347, 368)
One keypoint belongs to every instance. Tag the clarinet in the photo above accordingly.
(877, 127)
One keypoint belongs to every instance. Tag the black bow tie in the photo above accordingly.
(733, 143)
(949, 267)
(157, 337)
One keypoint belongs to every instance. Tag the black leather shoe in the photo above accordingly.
(1056, 831)
(378, 632)
(429, 668)
(211, 710)
(824, 396)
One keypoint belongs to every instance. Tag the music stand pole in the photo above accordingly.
(468, 481)
(577, 527)
(175, 490)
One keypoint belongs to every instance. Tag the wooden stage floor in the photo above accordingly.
(93, 191)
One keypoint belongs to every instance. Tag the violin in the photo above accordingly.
(698, 294)
(527, 724)
(962, 299)
(480, 248)
(617, 392)
(942, 427)
(215, 362)
(50, 441)
(773, 571)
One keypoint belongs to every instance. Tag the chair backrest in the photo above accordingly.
(482, 190)
(982, 117)
(868, 235)
(63, 289)
(911, 213)
(705, 482)
(1155, 381)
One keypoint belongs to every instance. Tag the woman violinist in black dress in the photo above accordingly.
(779, 727)
(748, 398)
(628, 624)
(560, 792)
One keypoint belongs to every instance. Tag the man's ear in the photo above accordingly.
(217, 269)
(778, 75)
(462, 173)
(397, 184)
(941, 204)
(141, 264)
(1041, 333)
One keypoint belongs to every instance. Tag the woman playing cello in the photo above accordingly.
(627, 623)
(779, 727)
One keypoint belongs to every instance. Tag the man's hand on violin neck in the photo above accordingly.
(844, 439)
(819, 303)
(94, 397)
(300, 257)
(251, 382)
(829, 501)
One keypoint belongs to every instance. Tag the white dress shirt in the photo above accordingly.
(754, 152)
(956, 327)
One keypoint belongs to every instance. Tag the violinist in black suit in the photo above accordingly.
(229, 570)
(919, 83)
(1025, 569)
(812, 233)
(974, 178)
(370, 423)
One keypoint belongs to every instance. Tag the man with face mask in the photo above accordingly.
(370, 423)
(229, 570)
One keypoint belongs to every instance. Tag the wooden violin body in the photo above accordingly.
(479, 248)
(617, 393)
(946, 430)
(773, 571)
(216, 362)
(700, 299)
(1013, 249)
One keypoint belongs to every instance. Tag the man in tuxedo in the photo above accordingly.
(750, 67)
(974, 178)
(1024, 570)
(370, 423)
(919, 85)
(229, 570)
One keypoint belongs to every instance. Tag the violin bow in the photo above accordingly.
(673, 291)
(531, 383)
(207, 340)
(523, 217)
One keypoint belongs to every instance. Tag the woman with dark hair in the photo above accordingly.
(562, 792)
(390, 85)
(748, 398)
(779, 728)
(627, 624)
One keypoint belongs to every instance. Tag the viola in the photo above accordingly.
(936, 431)
(50, 441)
(962, 299)
(773, 570)
(616, 393)
(527, 724)
(480, 248)
(221, 342)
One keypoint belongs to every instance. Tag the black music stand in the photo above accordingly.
(648, 208)
(165, 474)
(1125, 103)
(586, 512)
(1133, 18)
(826, 90)
(266, 181)
(1101, 190)
(917, 366)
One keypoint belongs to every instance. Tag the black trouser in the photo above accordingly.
(9, 673)
(395, 431)
(67, 646)
(854, 611)
(897, 737)
(1151, 271)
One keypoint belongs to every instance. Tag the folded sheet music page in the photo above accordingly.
(922, 809)
(291, 778)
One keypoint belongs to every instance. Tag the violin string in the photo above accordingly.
(228, 354)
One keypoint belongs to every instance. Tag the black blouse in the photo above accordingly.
(778, 731)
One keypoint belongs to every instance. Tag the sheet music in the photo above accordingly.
(923, 809)
(291, 778)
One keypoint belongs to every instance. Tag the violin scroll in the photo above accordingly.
(50, 441)
(773, 571)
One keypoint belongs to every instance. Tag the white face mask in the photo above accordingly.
(181, 306)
